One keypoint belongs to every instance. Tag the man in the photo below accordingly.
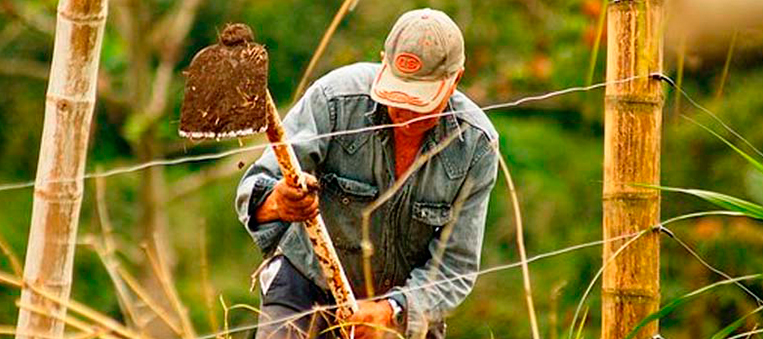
(422, 63)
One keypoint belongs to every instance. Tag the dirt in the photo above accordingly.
(225, 90)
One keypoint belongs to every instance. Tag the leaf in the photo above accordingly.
(671, 306)
(723, 333)
(582, 322)
(758, 166)
(597, 43)
(749, 209)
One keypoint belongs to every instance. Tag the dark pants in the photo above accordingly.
(290, 293)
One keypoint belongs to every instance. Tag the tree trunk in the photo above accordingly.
(633, 109)
(63, 150)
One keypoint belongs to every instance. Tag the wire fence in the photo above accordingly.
(288, 141)
(259, 147)
(630, 237)
(433, 283)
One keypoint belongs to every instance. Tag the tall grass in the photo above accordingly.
(730, 204)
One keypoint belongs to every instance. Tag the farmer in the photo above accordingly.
(422, 63)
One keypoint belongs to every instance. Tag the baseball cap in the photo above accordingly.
(423, 55)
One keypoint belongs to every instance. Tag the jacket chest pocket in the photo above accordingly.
(342, 204)
(428, 219)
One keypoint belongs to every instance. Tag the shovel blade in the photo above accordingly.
(226, 88)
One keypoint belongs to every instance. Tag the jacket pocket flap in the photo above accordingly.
(432, 214)
(350, 186)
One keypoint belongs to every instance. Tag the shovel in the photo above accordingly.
(226, 96)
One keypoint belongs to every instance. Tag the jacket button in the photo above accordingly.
(387, 282)
(346, 200)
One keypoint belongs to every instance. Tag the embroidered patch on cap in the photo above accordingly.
(407, 63)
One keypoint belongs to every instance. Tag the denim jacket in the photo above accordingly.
(354, 169)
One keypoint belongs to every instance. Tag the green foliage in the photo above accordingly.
(756, 164)
(579, 333)
(554, 149)
(730, 203)
(675, 303)
(726, 331)
(725, 201)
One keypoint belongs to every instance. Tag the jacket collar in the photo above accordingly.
(451, 156)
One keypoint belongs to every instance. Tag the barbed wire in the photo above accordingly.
(288, 141)
(662, 228)
(694, 103)
(220, 155)
(632, 237)
(702, 261)
(630, 240)
(430, 284)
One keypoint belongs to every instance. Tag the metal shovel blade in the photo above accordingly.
(225, 90)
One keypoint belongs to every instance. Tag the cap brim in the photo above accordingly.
(417, 96)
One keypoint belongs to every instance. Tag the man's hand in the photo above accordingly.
(289, 203)
(375, 313)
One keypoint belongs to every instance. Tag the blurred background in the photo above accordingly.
(515, 48)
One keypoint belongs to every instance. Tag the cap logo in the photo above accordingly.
(407, 63)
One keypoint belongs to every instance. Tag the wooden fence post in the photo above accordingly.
(63, 149)
(633, 123)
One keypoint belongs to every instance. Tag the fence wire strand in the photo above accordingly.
(704, 263)
(746, 334)
(661, 227)
(694, 103)
(432, 283)
(220, 155)
(629, 237)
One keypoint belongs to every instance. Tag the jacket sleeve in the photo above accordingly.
(307, 120)
(436, 288)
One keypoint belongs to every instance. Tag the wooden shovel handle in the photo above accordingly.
(323, 248)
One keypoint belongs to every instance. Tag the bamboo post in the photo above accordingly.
(63, 149)
(316, 230)
(633, 120)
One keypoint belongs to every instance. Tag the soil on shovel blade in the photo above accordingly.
(225, 91)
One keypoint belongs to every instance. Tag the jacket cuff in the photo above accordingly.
(415, 320)
(399, 298)
(401, 301)
(265, 235)
(261, 189)
(415, 324)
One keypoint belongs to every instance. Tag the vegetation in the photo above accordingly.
(553, 147)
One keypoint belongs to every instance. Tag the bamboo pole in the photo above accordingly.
(58, 189)
(633, 120)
